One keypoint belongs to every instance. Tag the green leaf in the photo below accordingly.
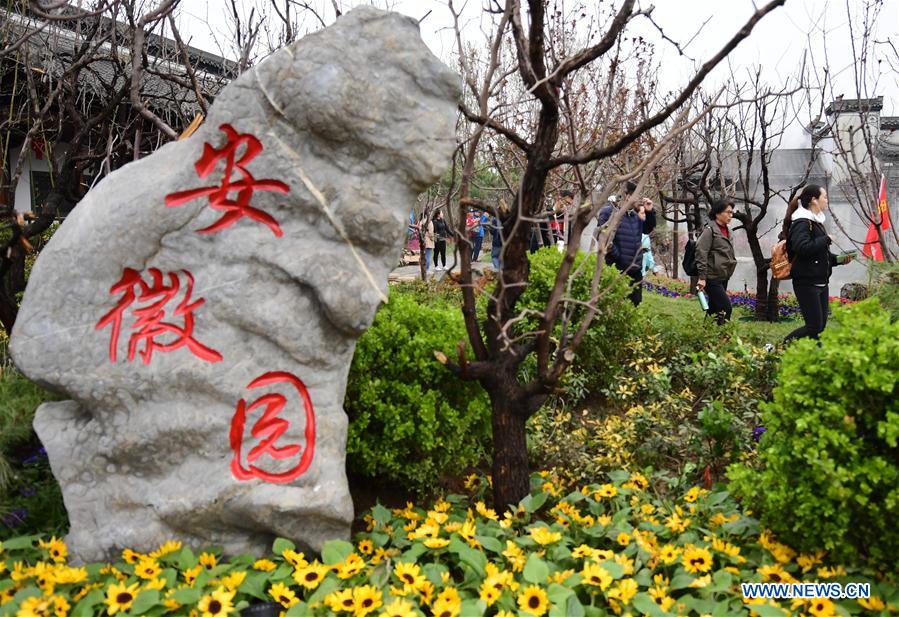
(615, 569)
(283, 544)
(85, 606)
(324, 588)
(681, 581)
(189, 595)
(415, 551)
(574, 608)
(473, 607)
(379, 575)
(14, 544)
(558, 594)
(336, 551)
(532, 503)
(766, 610)
(618, 476)
(647, 606)
(144, 601)
(254, 584)
(473, 558)
(535, 570)
(381, 514)
(297, 610)
(187, 559)
(490, 543)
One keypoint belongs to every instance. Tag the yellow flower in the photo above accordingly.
(129, 556)
(594, 574)
(366, 547)
(147, 568)
(365, 600)
(606, 490)
(874, 603)
(219, 602)
(297, 560)
(676, 524)
(65, 575)
(340, 601)
(234, 580)
(624, 590)
(310, 576)
(669, 554)
(35, 607)
(693, 494)
(604, 520)
(436, 543)
(164, 549)
(264, 565)
(351, 566)
(533, 600)
(489, 593)
(821, 607)
(190, 575)
(56, 548)
(61, 606)
(560, 577)
(119, 597)
(696, 559)
(399, 608)
(775, 574)
(543, 536)
(448, 603)
(637, 482)
(623, 539)
(208, 560)
(155, 583)
(486, 512)
(282, 594)
(702, 581)
(7, 594)
(807, 562)
(409, 574)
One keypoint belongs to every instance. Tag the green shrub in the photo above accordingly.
(411, 420)
(30, 499)
(829, 476)
(599, 355)
(885, 285)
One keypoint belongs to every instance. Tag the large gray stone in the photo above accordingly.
(355, 120)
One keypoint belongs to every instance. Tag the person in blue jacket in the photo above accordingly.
(626, 250)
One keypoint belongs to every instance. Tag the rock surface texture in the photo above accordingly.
(200, 307)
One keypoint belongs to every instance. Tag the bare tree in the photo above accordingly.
(497, 344)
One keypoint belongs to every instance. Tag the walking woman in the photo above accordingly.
(715, 259)
(441, 229)
(808, 247)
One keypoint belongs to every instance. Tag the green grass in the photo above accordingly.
(686, 310)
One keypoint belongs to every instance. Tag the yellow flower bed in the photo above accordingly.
(609, 548)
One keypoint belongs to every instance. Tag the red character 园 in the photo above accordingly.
(239, 207)
(269, 428)
(150, 313)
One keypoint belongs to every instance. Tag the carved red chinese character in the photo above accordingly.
(269, 428)
(239, 207)
(150, 313)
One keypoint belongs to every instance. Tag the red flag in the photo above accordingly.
(872, 246)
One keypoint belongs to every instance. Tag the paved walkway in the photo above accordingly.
(412, 272)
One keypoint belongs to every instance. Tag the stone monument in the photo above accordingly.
(200, 307)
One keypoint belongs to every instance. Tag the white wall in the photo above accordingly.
(23, 187)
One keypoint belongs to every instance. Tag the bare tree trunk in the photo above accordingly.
(773, 307)
(511, 479)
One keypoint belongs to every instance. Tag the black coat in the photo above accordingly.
(627, 245)
(809, 244)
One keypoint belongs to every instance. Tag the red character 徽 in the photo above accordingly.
(235, 209)
(150, 324)
(269, 428)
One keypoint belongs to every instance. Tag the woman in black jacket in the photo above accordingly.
(808, 247)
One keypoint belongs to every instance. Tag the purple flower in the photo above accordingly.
(28, 491)
(15, 518)
(757, 433)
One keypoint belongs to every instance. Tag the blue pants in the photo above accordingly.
(476, 242)
(428, 254)
(495, 255)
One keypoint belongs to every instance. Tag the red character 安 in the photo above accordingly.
(219, 196)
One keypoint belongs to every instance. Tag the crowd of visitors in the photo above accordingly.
(630, 250)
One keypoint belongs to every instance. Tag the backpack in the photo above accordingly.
(689, 261)
(780, 261)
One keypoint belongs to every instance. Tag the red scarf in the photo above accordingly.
(724, 230)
